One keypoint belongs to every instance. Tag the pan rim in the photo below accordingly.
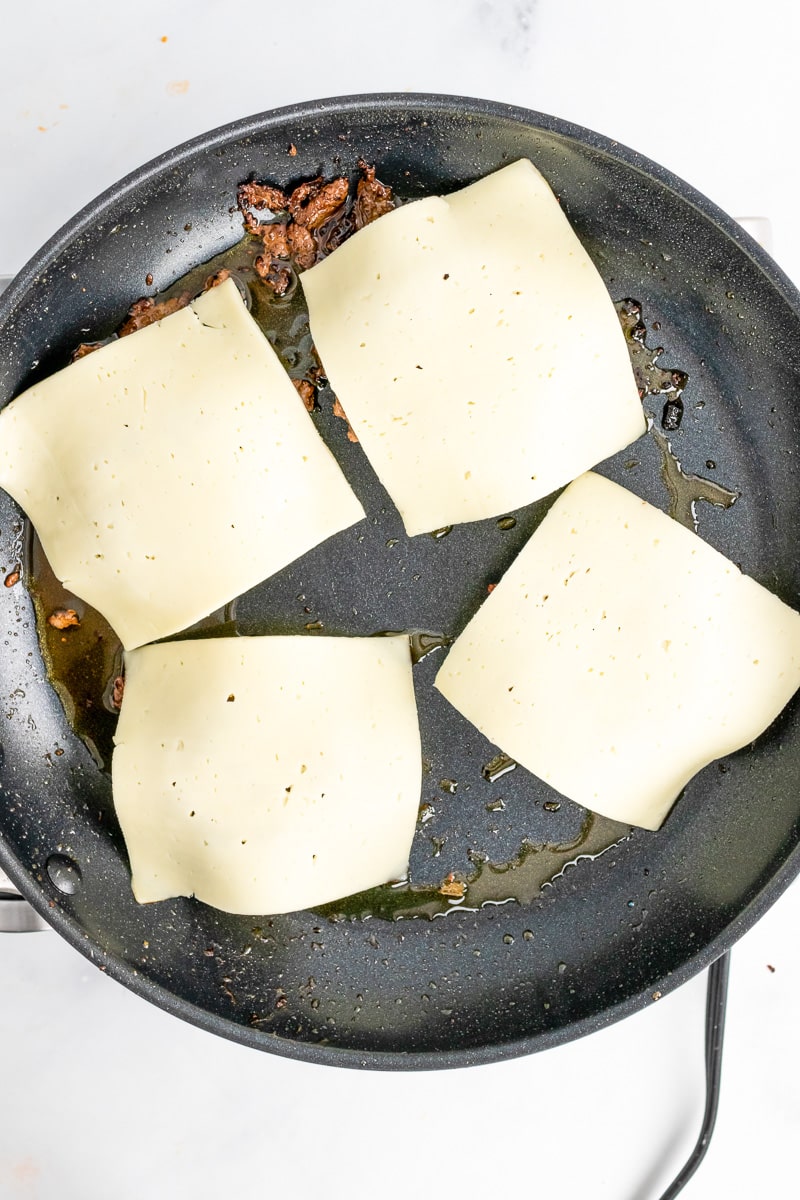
(421, 102)
(397, 1060)
(418, 104)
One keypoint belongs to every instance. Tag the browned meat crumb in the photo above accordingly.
(490, 588)
(313, 203)
(216, 279)
(279, 281)
(301, 245)
(339, 412)
(64, 618)
(148, 279)
(84, 349)
(307, 393)
(452, 887)
(117, 691)
(321, 217)
(373, 198)
(292, 150)
(146, 312)
(12, 577)
(260, 196)
(275, 277)
(251, 223)
(303, 193)
(274, 238)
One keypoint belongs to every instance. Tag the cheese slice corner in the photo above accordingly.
(621, 653)
(267, 774)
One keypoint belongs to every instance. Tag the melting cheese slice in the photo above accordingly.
(620, 654)
(268, 774)
(475, 350)
(172, 469)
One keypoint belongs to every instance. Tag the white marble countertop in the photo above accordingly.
(105, 1096)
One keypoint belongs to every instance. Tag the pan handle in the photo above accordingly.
(716, 999)
(16, 915)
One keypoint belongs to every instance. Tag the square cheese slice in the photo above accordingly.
(267, 774)
(172, 469)
(475, 350)
(621, 653)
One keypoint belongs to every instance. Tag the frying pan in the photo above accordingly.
(609, 932)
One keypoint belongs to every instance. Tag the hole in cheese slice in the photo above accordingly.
(621, 653)
(475, 350)
(172, 469)
(267, 774)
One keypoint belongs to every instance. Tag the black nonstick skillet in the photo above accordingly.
(623, 916)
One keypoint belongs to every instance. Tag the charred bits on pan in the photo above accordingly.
(302, 227)
(651, 379)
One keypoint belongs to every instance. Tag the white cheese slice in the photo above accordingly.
(475, 350)
(621, 653)
(173, 469)
(268, 774)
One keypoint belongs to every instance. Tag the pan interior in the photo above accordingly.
(607, 929)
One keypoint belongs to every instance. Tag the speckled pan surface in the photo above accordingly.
(607, 934)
